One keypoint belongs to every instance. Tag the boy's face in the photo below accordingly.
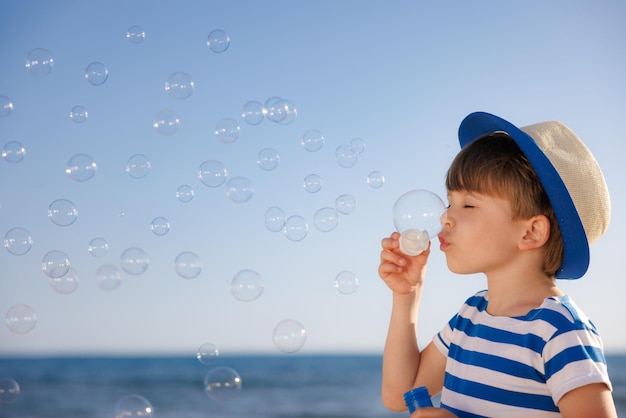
(479, 233)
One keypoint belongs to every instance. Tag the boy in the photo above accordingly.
(524, 205)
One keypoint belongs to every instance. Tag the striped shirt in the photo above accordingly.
(518, 366)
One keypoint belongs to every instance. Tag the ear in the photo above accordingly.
(536, 233)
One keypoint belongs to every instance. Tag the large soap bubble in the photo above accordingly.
(65, 284)
(39, 62)
(21, 319)
(312, 183)
(222, 384)
(376, 179)
(247, 285)
(289, 336)
(132, 406)
(18, 241)
(160, 226)
(417, 215)
(345, 156)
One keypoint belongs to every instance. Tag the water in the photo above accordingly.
(281, 386)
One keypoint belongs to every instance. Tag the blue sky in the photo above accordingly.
(400, 75)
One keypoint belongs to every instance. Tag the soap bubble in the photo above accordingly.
(207, 353)
(212, 173)
(6, 106)
(62, 212)
(13, 152)
(131, 406)
(345, 156)
(135, 34)
(289, 336)
(296, 228)
(357, 145)
(312, 183)
(65, 284)
(9, 390)
(21, 319)
(375, 179)
(187, 265)
(96, 73)
(98, 247)
(346, 282)
(268, 159)
(55, 264)
(282, 111)
(239, 189)
(312, 140)
(253, 112)
(160, 226)
(274, 219)
(79, 114)
(222, 384)
(227, 130)
(39, 62)
(326, 219)
(18, 241)
(345, 204)
(184, 193)
(81, 167)
(138, 166)
(108, 277)
(166, 122)
(134, 260)
(218, 41)
(179, 85)
(417, 215)
(247, 285)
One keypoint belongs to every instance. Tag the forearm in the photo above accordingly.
(401, 354)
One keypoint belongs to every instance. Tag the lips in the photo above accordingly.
(443, 244)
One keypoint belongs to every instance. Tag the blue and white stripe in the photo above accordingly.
(518, 366)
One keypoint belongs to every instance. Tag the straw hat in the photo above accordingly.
(570, 176)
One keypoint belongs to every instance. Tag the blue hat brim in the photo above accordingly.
(575, 243)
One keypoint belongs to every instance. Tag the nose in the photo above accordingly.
(445, 220)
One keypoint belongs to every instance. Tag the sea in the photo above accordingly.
(272, 386)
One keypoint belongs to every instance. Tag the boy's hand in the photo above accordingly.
(401, 272)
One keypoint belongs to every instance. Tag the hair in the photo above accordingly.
(494, 165)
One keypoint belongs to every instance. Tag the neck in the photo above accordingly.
(516, 295)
